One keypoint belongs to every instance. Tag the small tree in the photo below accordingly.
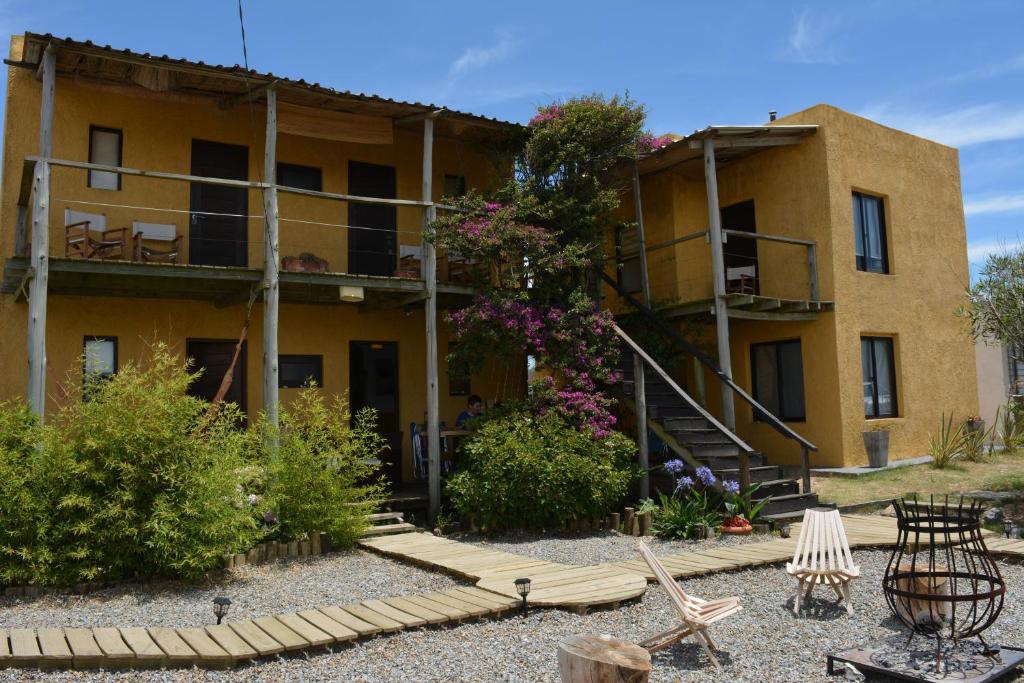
(995, 308)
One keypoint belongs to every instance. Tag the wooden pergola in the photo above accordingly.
(291, 106)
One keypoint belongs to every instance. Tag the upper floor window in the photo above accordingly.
(104, 148)
(777, 370)
(100, 357)
(454, 185)
(458, 379)
(302, 177)
(297, 371)
(878, 364)
(869, 233)
(627, 257)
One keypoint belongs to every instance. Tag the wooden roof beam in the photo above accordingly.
(244, 98)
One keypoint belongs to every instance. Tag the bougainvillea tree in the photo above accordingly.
(536, 238)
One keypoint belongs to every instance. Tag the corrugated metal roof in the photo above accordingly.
(250, 76)
(732, 142)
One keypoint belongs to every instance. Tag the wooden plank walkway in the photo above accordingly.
(218, 647)
(553, 584)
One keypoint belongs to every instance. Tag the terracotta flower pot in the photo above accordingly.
(736, 530)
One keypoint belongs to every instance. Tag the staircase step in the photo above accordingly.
(797, 502)
(777, 488)
(726, 458)
(788, 517)
(763, 473)
(383, 529)
(683, 423)
(668, 410)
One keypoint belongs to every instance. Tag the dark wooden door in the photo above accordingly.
(372, 237)
(740, 252)
(213, 356)
(218, 236)
(373, 383)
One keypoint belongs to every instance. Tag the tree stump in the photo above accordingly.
(613, 521)
(602, 659)
(925, 583)
(645, 523)
(627, 521)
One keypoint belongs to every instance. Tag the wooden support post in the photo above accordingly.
(718, 276)
(805, 466)
(613, 522)
(40, 264)
(271, 268)
(645, 522)
(430, 310)
(698, 383)
(643, 455)
(627, 521)
(640, 395)
(812, 270)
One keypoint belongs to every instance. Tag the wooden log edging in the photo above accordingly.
(219, 647)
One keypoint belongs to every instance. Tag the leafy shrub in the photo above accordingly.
(322, 477)
(680, 515)
(25, 497)
(974, 442)
(526, 470)
(1010, 426)
(946, 446)
(741, 503)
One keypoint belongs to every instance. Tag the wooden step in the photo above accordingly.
(384, 529)
(791, 503)
(762, 473)
(381, 516)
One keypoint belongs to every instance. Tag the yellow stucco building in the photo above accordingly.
(844, 260)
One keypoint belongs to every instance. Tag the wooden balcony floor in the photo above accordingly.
(219, 284)
(752, 307)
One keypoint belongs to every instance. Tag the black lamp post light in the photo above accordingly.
(221, 605)
(523, 588)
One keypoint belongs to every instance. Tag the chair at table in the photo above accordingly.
(145, 234)
(460, 267)
(86, 236)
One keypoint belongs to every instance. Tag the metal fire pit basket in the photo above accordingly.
(941, 581)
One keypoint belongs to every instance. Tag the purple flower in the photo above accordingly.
(731, 486)
(705, 476)
(675, 466)
(684, 483)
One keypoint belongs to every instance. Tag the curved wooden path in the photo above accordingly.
(553, 584)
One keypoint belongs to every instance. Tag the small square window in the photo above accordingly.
(627, 257)
(104, 148)
(295, 371)
(100, 356)
(454, 185)
(869, 233)
(301, 177)
(458, 382)
(878, 364)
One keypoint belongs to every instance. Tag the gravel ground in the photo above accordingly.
(258, 590)
(765, 642)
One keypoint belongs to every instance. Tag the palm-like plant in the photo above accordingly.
(948, 445)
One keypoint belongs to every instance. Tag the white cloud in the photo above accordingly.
(476, 58)
(971, 125)
(978, 252)
(993, 70)
(810, 40)
(1003, 203)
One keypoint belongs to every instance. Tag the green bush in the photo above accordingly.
(523, 470)
(322, 477)
(947, 446)
(25, 497)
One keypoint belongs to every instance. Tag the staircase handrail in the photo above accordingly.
(740, 443)
(678, 339)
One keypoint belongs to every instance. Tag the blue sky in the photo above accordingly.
(950, 71)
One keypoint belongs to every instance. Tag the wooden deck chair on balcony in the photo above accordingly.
(742, 280)
(86, 236)
(696, 614)
(822, 557)
(156, 242)
(410, 258)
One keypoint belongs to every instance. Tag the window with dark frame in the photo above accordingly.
(105, 148)
(296, 371)
(454, 185)
(777, 372)
(878, 363)
(458, 382)
(627, 257)
(870, 233)
(301, 177)
(99, 357)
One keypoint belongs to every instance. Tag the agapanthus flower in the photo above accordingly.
(684, 484)
(706, 476)
(731, 486)
(675, 466)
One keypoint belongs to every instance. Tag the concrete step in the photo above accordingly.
(797, 502)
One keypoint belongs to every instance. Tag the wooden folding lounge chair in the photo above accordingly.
(696, 614)
(822, 557)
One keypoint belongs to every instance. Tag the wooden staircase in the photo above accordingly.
(685, 430)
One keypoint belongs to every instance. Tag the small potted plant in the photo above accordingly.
(740, 509)
(974, 423)
(876, 443)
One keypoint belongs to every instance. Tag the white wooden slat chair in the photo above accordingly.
(697, 614)
(822, 556)
(144, 234)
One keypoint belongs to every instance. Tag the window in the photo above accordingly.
(454, 185)
(777, 370)
(302, 177)
(627, 256)
(869, 233)
(104, 148)
(294, 372)
(458, 382)
(100, 357)
(879, 367)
